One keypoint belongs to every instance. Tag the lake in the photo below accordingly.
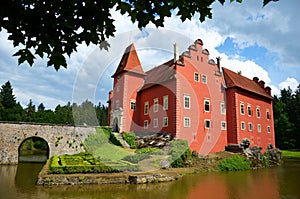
(18, 181)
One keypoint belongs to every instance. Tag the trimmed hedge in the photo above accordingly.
(137, 157)
(130, 139)
(152, 151)
(86, 163)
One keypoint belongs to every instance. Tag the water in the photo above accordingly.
(280, 182)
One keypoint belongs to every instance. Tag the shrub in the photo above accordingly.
(152, 151)
(130, 139)
(235, 163)
(180, 153)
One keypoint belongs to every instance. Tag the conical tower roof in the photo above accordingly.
(130, 62)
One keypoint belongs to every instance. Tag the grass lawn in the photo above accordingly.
(111, 152)
(290, 153)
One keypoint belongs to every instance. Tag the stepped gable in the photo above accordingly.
(130, 62)
(159, 75)
(236, 80)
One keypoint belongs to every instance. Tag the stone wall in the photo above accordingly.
(61, 139)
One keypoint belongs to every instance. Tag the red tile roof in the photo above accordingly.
(130, 62)
(236, 80)
(159, 75)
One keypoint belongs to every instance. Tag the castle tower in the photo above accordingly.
(128, 78)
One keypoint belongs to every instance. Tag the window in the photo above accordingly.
(165, 121)
(145, 124)
(268, 114)
(208, 136)
(196, 77)
(250, 127)
(223, 108)
(206, 105)
(223, 125)
(166, 102)
(155, 122)
(118, 89)
(207, 124)
(242, 108)
(258, 112)
(187, 101)
(204, 79)
(155, 109)
(269, 129)
(243, 125)
(146, 108)
(118, 78)
(117, 104)
(249, 110)
(259, 128)
(187, 122)
(132, 104)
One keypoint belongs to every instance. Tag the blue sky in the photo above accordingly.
(259, 41)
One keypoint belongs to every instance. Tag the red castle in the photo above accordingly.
(193, 98)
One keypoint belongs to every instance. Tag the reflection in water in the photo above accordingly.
(280, 182)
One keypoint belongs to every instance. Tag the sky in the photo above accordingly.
(256, 40)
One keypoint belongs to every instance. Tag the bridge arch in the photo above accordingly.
(37, 140)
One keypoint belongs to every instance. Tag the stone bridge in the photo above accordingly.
(61, 139)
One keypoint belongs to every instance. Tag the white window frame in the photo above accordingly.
(186, 122)
(132, 104)
(205, 122)
(204, 79)
(117, 104)
(258, 113)
(184, 101)
(259, 128)
(242, 105)
(249, 109)
(165, 121)
(223, 125)
(155, 123)
(146, 124)
(146, 108)
(250, 126)
(268, 116)
(118, 89)
(166, 102)
(223, 108)
(207, 100)
(269, 129)
(243, 125)
(155, 105)
(196, 77)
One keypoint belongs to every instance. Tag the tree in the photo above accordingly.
(29, 112)
(55, 28)
(11, 110)
(8, 98)
(41, 107)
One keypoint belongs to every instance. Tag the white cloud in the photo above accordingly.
(289, 82)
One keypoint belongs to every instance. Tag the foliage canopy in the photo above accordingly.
(55, 28)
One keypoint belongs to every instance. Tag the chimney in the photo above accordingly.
(255, 79)
(261, 83)
(218, 62)
(176, 52)
(268, 90)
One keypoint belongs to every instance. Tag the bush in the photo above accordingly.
(130, 139)
(235, 163)
(180, 153)
(152, 151)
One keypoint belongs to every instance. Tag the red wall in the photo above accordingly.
(262, 138)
